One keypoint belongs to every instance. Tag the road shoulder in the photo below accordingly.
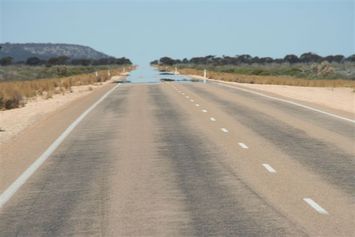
(22, 150)
(339, 101)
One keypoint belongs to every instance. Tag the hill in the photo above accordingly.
(20, 52)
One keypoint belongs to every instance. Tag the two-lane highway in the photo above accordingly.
(192, 159)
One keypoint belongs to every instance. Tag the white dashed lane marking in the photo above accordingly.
(204, 110)
(269, 168)
(213, 119)
(315, 206)
(224, 130)
(197, 105)
(242, 145)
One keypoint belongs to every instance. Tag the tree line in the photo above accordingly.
(64, 60)
(248, 59)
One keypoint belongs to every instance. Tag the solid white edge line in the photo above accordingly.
(242, 145)
(212, 119)
(21, 180)
(289, 102)
(269, 168)
(224, 130)
(315, 206)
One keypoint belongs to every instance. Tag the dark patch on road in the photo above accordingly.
(66, 196)
(337, 126)
(220, 204)
(336, 166)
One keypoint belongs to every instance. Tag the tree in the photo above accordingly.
(334, 58)
(154, 62)
(351, 58)
(291, 58)
(5, 61)
(264, 60)
(61, 60)
(310, 58)
(167, 61)
(123, 61)
(81, 61)
(244, 58)
(33, 61)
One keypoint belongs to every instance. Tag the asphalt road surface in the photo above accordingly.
(192, 159)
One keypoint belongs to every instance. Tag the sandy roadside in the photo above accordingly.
(341, 99)
(14, 121)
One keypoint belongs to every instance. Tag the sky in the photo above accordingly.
(144, 30)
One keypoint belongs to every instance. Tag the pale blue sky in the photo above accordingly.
(145, 30)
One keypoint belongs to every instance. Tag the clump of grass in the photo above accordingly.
(14, 94)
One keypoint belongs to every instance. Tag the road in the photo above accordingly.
(192, 159)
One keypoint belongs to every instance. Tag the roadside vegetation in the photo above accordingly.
(21, 81)
(307, 70)
(15, 94)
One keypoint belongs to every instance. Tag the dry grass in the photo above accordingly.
(14, 94)
(274, 80)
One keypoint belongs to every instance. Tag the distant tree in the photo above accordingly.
(61, 60)
(278, 60)
(81, 61)
(265, 60)
(122, 61)
(334, 58)
(351, 58)
(310, 58)
(33, 61)
(291, 58)
(154, 62)
(245, 58)
(167, 61)
(255, 60)
(5, 61)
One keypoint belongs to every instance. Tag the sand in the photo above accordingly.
(335, 98)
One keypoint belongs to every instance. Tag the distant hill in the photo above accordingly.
(20, 52)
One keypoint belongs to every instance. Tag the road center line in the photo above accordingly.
(21, 180)
(224, 130)
(315, 206)
(269, 168)
(242, 145)
(212, 119)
